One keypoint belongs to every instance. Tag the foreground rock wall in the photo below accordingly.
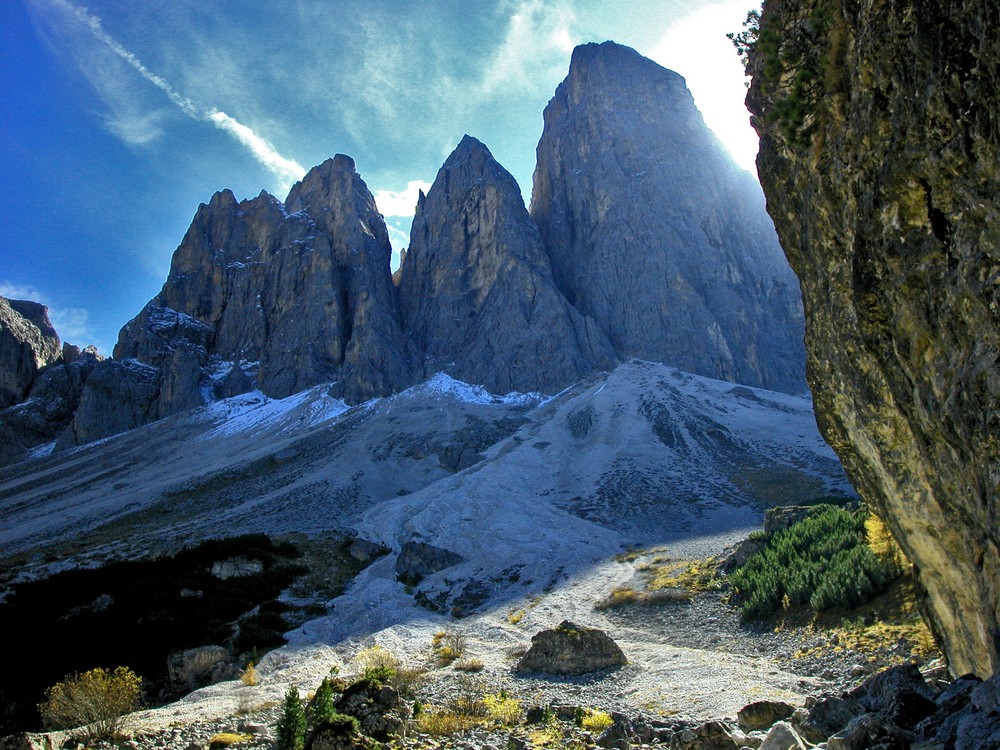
(880, 159)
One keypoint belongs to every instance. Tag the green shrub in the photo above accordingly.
(96, 701)
(292, 724)
(338, 724)
(322, 703)
(822, 562)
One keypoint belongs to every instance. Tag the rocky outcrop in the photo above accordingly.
(476, 290)
(655, 233)
(571, 650)
(417, 560)
(261, 294)
(50, 405)
(880, 155)
(28, 342)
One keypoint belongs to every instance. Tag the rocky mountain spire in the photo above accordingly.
(655, 233)
(260, 294)
(477, 293)
(28, 342)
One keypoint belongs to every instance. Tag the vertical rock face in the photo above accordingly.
(40, 379)
(880, 156)
(476, 291)
(28, 342)
(260, 294)
(655, 233)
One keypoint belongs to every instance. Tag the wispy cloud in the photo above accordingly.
(141, 130)
(402, 203)
(538, 34)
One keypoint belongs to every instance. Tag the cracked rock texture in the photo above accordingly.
(477, 293)
(880, 155)
(261, 294)
(655, 233)
(28, 342)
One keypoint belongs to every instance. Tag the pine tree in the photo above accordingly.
(322, 705)
(292, 724)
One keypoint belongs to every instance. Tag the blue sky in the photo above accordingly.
(117, 117)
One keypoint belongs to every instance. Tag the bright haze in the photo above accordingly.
(117, 119)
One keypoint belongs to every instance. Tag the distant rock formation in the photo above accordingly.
(28, 342)
(261, 295)
(476, 290)
(41, 379)
(880, 158)
(655, 233)
(652, 244)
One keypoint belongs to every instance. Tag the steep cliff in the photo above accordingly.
(655, 233)
(261, 294)
(476, 289)
(28, 342)
(880, 158)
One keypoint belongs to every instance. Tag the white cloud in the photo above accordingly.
(538, 34)
(697, 48)
(402, 203)
(286, 170)
(135, 128)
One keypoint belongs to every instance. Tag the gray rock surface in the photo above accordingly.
(417, 560)
(571, 650)
(880, 156)
(28, 342)
(50, 406)
(762, 714)
(261, 294)
(476, 290)
(655, 233)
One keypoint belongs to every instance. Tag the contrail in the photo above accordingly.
(286, 170)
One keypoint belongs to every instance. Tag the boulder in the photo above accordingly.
(762, 714)
(899, 695)
(870, 732)
(417, 560)
(571, 650)
(782, 736)
(712, 735)
(380, 711)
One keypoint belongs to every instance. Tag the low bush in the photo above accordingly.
(448, 646)
(469, 664)
(225, 739)
(97, 702)
(593, 720)
(822, 562)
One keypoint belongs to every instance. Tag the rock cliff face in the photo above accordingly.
(476, 290)
(40, 379)
(28, 342)
(260, 294)
(655, 233)
(880, 156)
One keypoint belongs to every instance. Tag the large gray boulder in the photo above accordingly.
(655, 233)
(476, 292)
(571, 650)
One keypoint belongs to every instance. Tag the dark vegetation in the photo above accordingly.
(136, 614)
(825, 561)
